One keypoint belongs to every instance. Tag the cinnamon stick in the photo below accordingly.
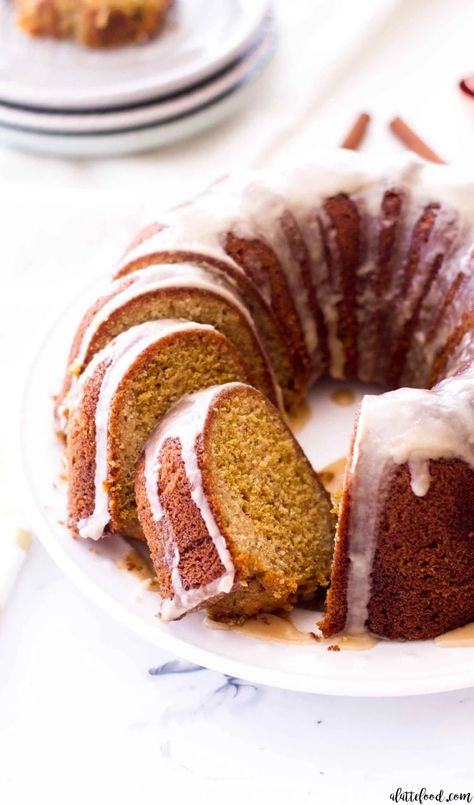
(412, 141)
(356, 134)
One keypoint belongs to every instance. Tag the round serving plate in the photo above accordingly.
(152, 113)
(200, 38)
(388, 669)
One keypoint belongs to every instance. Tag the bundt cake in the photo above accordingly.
(127, 387)
(229, 504)
(353, 268)
(94, 23)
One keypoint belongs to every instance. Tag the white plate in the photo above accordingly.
(153, 113)
(389, 669)
(201, 37)
(134, 140)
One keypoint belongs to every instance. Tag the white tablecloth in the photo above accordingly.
(84, 715)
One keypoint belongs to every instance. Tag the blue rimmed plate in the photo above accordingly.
(201, 38)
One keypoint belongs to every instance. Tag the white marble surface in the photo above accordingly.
(85, 714)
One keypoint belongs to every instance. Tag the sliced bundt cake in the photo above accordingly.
(352, 267)
(94, 23)
(234, 515)
(126, 389)
(168, 292)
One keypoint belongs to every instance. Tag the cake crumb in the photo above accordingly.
(343, 397)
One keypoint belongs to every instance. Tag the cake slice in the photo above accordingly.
(180, 291)
(234, 515)
(146, 251)
(93, 23)
(124, 392)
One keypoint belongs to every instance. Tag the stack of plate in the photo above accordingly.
(59, 98)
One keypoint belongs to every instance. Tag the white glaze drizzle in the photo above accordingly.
(407, 426)
(300, 188)
(185, 421)
(120, 354)
(250, 204)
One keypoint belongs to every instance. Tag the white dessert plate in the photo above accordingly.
(200, 38)
(167, 110)
(388, 669)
